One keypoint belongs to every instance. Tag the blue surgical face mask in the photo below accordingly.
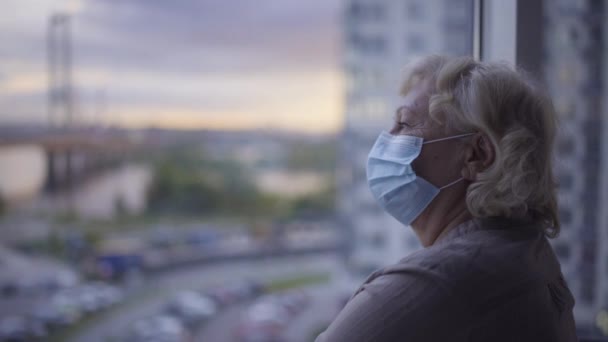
(393, 182)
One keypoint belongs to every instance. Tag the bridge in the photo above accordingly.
(73, 155)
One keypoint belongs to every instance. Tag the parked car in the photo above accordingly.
(9, 288)
(51, 317)
(264, 321)
(60, 310)
(294, 301)
(59, 280)
(95, 296)
(108, 294)
(158, 328)
(191, 307)
(247, 289)
(202, 238)
(222, 295)
(20, 328)
(13, 328)
(117, 265)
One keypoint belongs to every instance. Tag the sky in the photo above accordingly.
(237, 64)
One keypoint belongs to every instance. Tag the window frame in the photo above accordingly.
(515, 24)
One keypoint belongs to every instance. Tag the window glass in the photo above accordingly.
(574, 71)
(411, 29)
(197, 169)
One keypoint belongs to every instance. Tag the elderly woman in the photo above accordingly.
(467, 164)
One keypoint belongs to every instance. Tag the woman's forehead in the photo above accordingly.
(416, 100)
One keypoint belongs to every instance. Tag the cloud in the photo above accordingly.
(23, 83)
(209, 36)
(290, 100)
(245, 58)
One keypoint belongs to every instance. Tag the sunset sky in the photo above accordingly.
(181, 64)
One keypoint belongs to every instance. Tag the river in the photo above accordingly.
(23, 174)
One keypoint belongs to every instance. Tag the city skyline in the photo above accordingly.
(196, 65)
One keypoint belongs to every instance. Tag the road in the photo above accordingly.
(20, 270)
(20, 304)
(161, 287)
(222, 327)
(322, 308)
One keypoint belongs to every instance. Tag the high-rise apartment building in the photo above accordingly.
(575, 74)
(380, 38)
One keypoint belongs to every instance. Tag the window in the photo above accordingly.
(367, 12)
(565, 146)
(415, 43)
(414, 10)
(566, 181)
(368, 44)
(565, 216)
(226, 140)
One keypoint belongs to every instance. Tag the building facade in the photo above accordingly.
(575, 74)
(379, 38)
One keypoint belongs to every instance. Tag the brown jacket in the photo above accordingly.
(485, 280)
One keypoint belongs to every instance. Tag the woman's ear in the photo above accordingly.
(487, 151)
(478, 156)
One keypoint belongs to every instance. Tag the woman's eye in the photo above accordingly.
(403, 118)
(403, 124)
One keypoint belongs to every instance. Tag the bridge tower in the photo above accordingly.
(60, 96)
(59, 57)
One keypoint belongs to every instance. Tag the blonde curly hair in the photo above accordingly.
(519, 120)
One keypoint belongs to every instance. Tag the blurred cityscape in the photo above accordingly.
(152, 232)
(166, 219)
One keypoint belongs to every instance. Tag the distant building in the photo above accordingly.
(380, 37)
(575, 73)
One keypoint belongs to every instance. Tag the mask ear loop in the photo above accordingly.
(454, 182)
(448, 138)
